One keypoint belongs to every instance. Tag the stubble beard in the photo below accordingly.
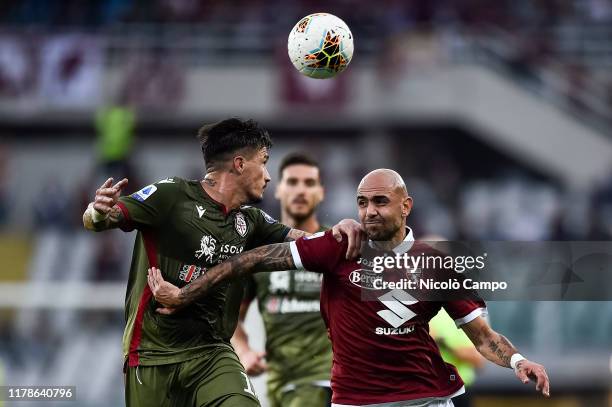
(300, 217)
(382, 235)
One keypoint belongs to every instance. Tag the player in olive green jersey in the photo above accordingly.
(186, 227)
(298, 351)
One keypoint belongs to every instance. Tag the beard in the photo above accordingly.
(381, 233)
(301, 216)
(254, 198)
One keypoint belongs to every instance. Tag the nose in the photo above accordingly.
(267, 175)
(300, 188)
(371, 211)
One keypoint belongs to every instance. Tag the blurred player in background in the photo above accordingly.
(456, 349)
(383, 353)
(298, 351)
(187, 227)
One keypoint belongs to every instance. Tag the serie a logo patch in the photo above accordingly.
(144, 193)
(268, 218)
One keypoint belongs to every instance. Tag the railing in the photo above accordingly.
(255, 44)
(586, 96)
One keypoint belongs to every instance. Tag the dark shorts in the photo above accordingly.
(216, 379)
(304, 395)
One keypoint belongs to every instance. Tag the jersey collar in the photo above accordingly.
(211, 199)
(404, 246)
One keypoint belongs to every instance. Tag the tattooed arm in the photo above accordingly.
(274, 257)
(295, 234)
(498, 349)
(352, 229)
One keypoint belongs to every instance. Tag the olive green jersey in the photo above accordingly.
(184, 232)
(298, 350)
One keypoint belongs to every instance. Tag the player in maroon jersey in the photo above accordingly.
(383, 353)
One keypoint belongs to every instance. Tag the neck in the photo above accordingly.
(395, 241)
(399, 237)
(310, 224)
(220, 187)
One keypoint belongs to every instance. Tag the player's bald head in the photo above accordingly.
(383, 204)
(383, 179)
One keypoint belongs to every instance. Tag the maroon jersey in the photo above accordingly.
(382, 350)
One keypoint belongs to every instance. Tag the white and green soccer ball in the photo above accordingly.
(320, 45)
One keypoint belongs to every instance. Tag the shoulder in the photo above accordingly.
(425, 248)
(158, 189)
(324, 239)
(172, 184)
(320, 252)
(257, 215)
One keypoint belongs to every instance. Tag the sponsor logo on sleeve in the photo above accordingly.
(240, 224)
(144, 193)
(166, 181)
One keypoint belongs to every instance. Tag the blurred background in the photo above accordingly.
(497, 114)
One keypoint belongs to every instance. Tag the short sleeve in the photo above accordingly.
(267, 229)
(319, 252)
(464, 311)
(462, 305)
(149, 206)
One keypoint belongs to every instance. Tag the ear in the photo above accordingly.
(277, 190)
(406, 206)
(238, 164)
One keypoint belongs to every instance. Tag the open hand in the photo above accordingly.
(165, 293)
(526, 370)
(253, 362)
(355, 234)
(108, 195)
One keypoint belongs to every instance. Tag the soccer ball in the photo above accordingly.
(320, 45)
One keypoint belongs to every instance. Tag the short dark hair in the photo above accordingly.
(297, 159)
(221, 139)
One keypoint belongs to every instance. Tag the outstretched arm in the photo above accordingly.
(103, 213)
(274, 257)
(295, 234)
(351, 228)
(496, 348)
(253, 361)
